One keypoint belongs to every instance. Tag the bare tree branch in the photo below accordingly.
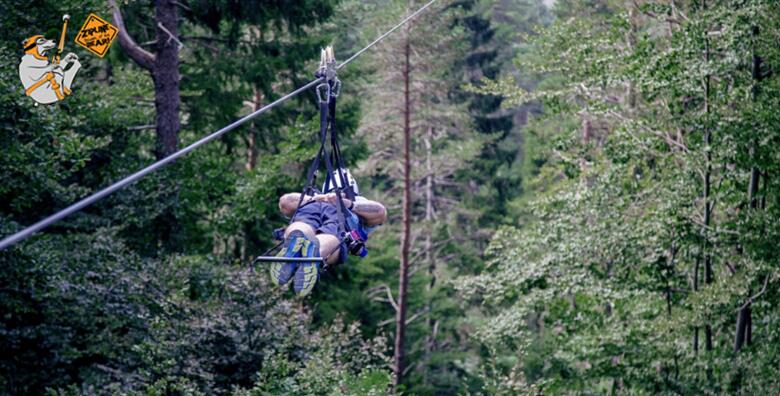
(416, 315)
(390, 298)
(141, 127)
(171, 36)
(408, 321)
(183, 6)
(142, 57)
(373, 293)
(751, 300)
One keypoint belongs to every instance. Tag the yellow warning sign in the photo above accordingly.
(96, 35)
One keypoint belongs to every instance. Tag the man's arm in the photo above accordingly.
(373, 213)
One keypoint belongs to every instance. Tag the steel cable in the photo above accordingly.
(81, 204)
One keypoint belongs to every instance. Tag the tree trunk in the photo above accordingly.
(251, 145)
(743, 318)
(163, 66)
(403, 278)
(707, 183)
(587, 128)
(744, 331)
(695, 289)
(251, 163)
(166, 78)
(631, 41)
(430, 258)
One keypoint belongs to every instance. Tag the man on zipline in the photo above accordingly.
(315, 231)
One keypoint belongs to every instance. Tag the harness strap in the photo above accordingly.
(309, 186)
(336, 149)
(327, 122)
(325, 109)
(54, 86)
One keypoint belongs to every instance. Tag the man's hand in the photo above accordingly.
(331, 198)
(289, 202)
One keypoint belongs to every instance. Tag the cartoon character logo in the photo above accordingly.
(44, 81)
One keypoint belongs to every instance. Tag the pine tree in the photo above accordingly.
(422, 128)
(163, 65)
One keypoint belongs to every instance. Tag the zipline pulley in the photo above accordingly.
(327, 70)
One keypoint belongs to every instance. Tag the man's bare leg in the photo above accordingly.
(329, 244)
(302, 227)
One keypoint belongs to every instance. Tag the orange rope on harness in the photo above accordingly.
(54, 86)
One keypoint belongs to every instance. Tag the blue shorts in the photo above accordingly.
(324, 218)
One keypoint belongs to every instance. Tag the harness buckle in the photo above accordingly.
(336, 90)
(324, 92)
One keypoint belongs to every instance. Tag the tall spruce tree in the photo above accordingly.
(411, 97)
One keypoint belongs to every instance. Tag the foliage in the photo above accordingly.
(117, 299)
(596, 294)
(444, 147)
(597, 216)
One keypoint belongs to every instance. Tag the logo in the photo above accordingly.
(96, 35)
(47, 81)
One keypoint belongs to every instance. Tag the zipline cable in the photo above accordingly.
(25, 233)
(40, 225)
(387, 33)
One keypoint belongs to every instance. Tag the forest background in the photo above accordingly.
(590, 205)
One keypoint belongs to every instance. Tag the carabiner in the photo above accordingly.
(323, 90)
(336, 89)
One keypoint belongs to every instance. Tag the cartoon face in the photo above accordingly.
(44, 44)
(38, 44)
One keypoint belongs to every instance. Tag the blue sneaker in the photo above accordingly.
(282, 272)
(308, 273)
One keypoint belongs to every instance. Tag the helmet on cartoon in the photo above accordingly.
(335, 181)
(31, 42)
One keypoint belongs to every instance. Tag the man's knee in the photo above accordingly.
(306, 229)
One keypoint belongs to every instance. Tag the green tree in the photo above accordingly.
(651, 175)
(411, 96)
(95, 304)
